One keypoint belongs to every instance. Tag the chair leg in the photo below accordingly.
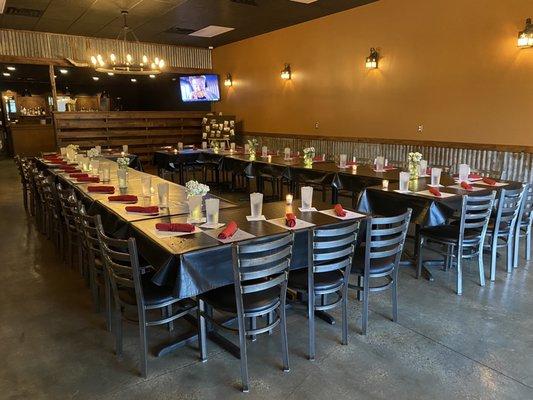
(516, 243)
(364, 317)
(420, 246)
(253, 325)
(169, 314)
(283, 327)
(345, 314)
(394, 294)
(481, 266)
(493, 256)
(118, 330)
(459, 272)
(244, 358)
(270, 320)
(528, 244)
(143, 343)
(510, 241)
(202, 339)
(311, 322)
(108, 301)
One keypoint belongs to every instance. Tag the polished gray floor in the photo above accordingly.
(53, 346)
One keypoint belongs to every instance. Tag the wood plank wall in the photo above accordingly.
(143, 131)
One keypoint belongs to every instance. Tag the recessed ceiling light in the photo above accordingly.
(152, 76)
(6, 74)
(64, 71)
(211, 30)
(133, 80)
(304, 1)
(110, 73)
(11, 68)
(95, 78)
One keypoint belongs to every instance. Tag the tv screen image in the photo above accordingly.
(199, 88)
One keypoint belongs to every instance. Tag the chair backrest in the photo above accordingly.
(20, 162)
(509, 203)
(332, 249)
(68, 202)
(385, 237)
(475, 215)
(89, 227)
(261, 264)
(526, 211)
(121, 261)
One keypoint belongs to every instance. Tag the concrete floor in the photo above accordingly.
(53, 346)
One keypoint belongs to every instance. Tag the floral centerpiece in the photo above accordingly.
(252, 146)
(72, 150)
(195, 193)
(123, 162)
(215, 145)
(309, 155)
(92, 153)
(414, 164)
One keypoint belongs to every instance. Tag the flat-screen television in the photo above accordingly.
(199, 88)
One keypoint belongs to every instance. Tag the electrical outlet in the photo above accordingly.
(420, 128)
(316, 125)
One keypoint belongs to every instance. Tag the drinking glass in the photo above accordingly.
(195, 207)
(146, 185)
(246, 148)
(63, 151)
(307, 197)
(98, 149)
(105, 172)
(125, 148)
(464, 172)
(86, 163)
(222, 145)
(423, 168)
(180, 146)
(95, 166)
(256, 204)
(122, 175)
(204, 145)
(287, 153)
(380, 163)
(264, 151)
(435, 176)
(211, 211)
(342, 160)
(162, 193)
(232, 146)
(404, 181)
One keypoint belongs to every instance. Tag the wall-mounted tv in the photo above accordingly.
(199, 88)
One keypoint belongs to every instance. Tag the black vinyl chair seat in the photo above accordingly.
(323, 281)
(377, 265)
(450, 233)
(224, 299)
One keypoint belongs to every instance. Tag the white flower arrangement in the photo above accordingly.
(92, 152)
(73, 148)
(309, 152)
(252, 144)
(195, 188)
(123, 162)
(414, 157)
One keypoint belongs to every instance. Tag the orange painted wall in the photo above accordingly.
(451, 65)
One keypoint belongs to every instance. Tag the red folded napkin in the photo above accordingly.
(339, 210)
(143, 210)
(465, 185)
(474, 175)
(173, 227)
(123, 197)
(71, 170)
(320, 158)
(389, 168)
(290, 220)
(94, 179)
(101, 189)
(435, 192)
(350, 163)
(228, 231)
(67, 167)
(489, 181)
(78, 175)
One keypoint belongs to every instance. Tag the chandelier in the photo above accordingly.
(124, 63)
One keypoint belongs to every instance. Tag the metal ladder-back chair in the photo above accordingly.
(40, 209)
(463, 240)
(260, 269)
(385, 237)
(52, 212)
(98, 279)
(330, 256)
(20, 162)
(524, 225)
(68, 201)
(501, 229)
(131, 291)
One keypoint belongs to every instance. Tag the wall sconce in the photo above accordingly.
(525, 37)
(228, 81)
(372, 59)
(286, 72)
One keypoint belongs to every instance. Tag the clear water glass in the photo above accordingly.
(246, 148)
(464, 172)
(423, 167)
(125, 148)
(342, 160)
(122, 175)
(256, 204)
(162, 193)
(146, 185)
(307, 197)
(404, 181)
(95, 167)
(222, 145)
(105, 172)
(180, 146)
(63, 151)
(380, 163)
(204, 145)
(287, 153)
(435, 176)
(264, 151)
(211, 211)
(232, 146)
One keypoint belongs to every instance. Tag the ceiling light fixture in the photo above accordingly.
(152, 76)
(372, 59)
(133, 80)
(228, 81)
(64, 71)
(124, 63)
(6, 74)
(286, 72)
(11, 68)
(95, 78)
(525, 37)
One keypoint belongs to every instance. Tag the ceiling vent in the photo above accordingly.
(23, 12)
(246, 2)
(211, 31)
(179, 30)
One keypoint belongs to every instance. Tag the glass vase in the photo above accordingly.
(308, 160)
(414, 170)
(195, 208)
